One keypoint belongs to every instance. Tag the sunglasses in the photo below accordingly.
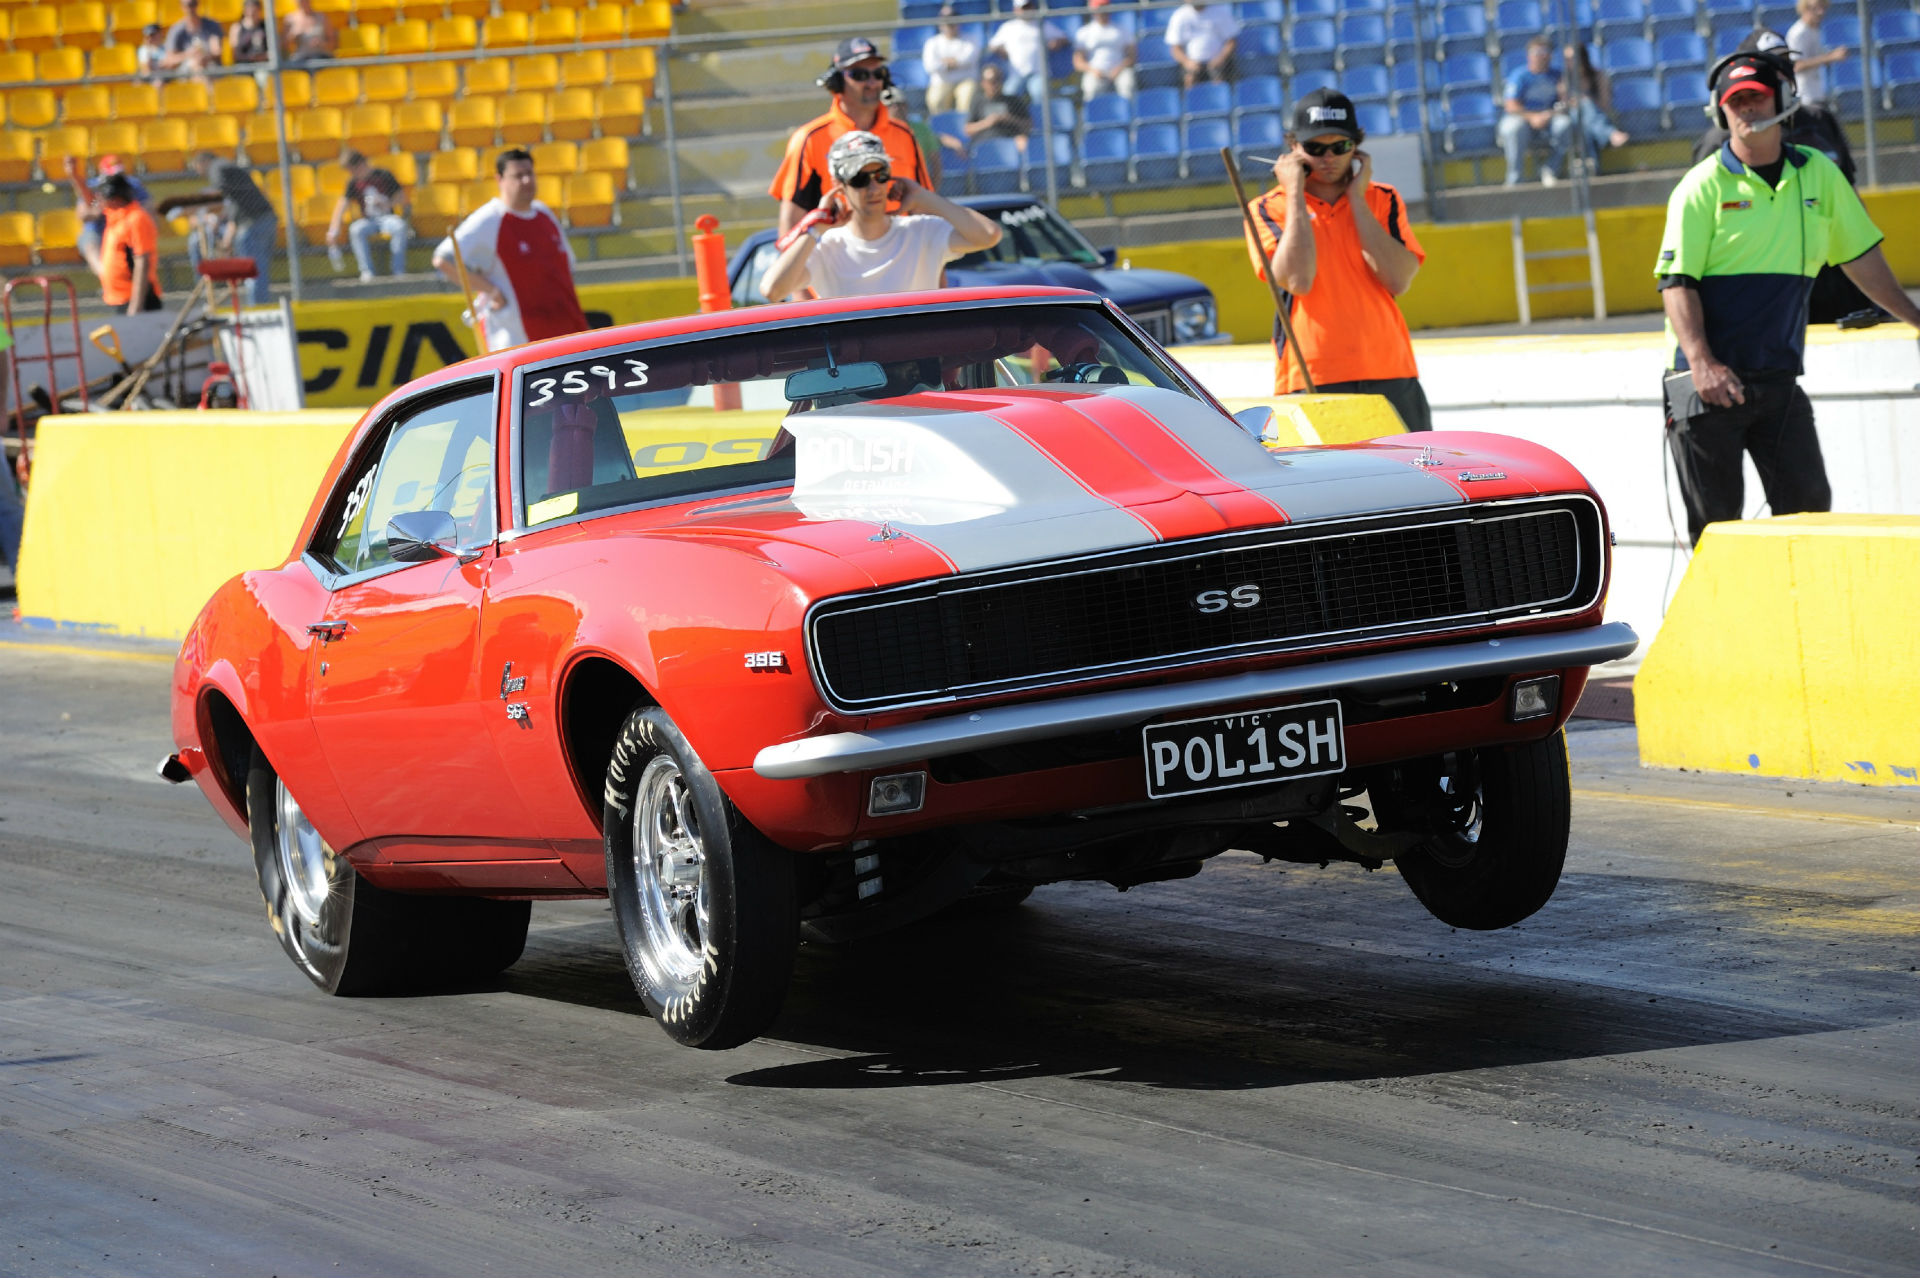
(860, 75)
(859, 181)
(1317, 149)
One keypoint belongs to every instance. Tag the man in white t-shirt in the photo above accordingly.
(519, 264)
(1201, 37)
(1811, 57)
(852, 247)
(1024, 41)
(1103, 54)
(953, 66)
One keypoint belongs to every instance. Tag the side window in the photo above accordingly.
(439, 457)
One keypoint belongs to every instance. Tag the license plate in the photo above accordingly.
(1253, 747)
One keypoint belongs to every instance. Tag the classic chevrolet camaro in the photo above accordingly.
(978, 591)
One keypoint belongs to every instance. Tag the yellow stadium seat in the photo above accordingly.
(536, 73)
(135, 101)
(507, 31)
(384, 83)
(114, 59)
(405, 169)
(315, 133)
(361, 40)
(556, 157)
(451, 35)
(87, 104)
(118, 138)
(436, 210)
(128, 18)
(632, 66)
(474, 121)
(219, 134)
(329, 180)
(548, 189)
(609, 156)
(651, 18)
(376, 12)
(587, 70)
(35, 29)
(520, 6)
(16, 68)
(57, 146)
(433, 81)
(477, 192)
(164, 145)
(16, 239)
(61, 64)
(300, 176)
(475, 9)
(263, 144)
(316, 215)
(57, 233)
(297, 86)
(603, 22)
(494, 76)
(417, 126)
(523, 119)
(83, 25)
(451, 168)
(16, 156)
(32, 108)
(555, 26)
(183, 98)
(337, 11)
(622, 109)
(370, 127)
(224, 12)
(406, 37)
(589, 198)
(336, 87)
(236, 95)
(574, 112)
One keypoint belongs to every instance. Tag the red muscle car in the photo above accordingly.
(979, 591)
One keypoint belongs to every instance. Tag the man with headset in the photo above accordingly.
(857, 79)
(1747, 230)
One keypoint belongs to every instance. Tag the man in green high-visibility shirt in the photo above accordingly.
(1748, 228)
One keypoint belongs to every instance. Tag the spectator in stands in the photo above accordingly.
(193, 43)
(1531, 95)
(1747, 230)
(1339, 244)
(518, 262)
(857, 78)
(384, 210)
(853, 247)
(1103, 54)
(1024, 41)
(129, 250)
(1586, 96)
(1812, 57)
(1201, 39)
(88, 208)
(953, 66)
(307, 36)
(996, 112)
(248, 37)
(247, 219)
(150, 57)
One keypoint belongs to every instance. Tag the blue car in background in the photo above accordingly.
(1041, 247)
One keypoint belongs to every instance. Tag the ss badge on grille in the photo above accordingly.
(1246, 596)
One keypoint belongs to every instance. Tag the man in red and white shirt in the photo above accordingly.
(519, 263)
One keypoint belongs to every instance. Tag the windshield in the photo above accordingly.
(1035, 233)
(638, 424)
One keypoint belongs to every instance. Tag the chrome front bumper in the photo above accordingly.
(1037, 721)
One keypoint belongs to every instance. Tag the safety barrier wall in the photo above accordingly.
(1789, 651)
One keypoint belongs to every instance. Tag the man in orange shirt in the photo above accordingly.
(1340, 248)
(129, 250)
(856, 79)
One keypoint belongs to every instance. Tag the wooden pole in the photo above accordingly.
(1273, 286)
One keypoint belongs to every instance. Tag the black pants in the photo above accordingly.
(1403, 393)
(1775, 425)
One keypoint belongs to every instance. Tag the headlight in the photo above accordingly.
(1194, 320)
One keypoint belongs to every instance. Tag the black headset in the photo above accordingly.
(835, 79)
(1786, 102)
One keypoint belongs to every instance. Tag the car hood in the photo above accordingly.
(934, 484)
(1128, 289)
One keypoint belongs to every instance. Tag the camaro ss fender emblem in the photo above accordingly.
(1247, 596)
(511, 683)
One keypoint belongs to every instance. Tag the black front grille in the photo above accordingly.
(1054, 622)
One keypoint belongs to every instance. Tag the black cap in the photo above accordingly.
(1325, 111)
(855, 49)
(116, 186)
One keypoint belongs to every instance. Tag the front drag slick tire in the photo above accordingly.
(1500, 818)
(704, 903)
(351, 937)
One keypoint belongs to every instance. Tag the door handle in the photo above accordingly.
(328, 631)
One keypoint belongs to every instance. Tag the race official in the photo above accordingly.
(1340, 248)
(519, 264)
(129, 249)
(1747, 230)
(857, 78)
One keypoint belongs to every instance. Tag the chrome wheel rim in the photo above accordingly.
(670, 873)
(302, 854)
(1464, 809)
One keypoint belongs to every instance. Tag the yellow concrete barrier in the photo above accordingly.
(1789, 651)
(136, 518)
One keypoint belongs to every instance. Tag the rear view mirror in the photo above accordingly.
(420, 535)
(839, 379)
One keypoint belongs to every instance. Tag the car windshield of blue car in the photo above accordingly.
(637, 424)
(1033, 233)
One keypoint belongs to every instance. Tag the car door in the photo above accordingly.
(395, 698)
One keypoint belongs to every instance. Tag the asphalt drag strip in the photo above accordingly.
(1701, 1057)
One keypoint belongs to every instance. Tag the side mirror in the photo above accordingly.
(1108, 256)
(420, 535)
(1256, 420)
(837, 379)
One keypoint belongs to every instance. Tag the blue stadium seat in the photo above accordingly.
(1626, 55)
(1670, 17)
(1062, 161)
(1470, 116)
(1374, 118)
(1512, 62)
(1064, 119)
(1680, 50)
(1777, 16)
(1726, 40)
(1897, 30)
(1619, 17)
(1463, 26)
(1103, 156)
(1209, 98)
(1366, 82)
(1362, 6)
(910, 77)
(1400, 41)
(1154, 21)
(1108, 109)
(1312, 43)
(1843, 85)
(1903, 79)
(1307, 81)
(1202, 150)
(1726, 15)
(1636, 103)
(1313, 8)
(1154, 106)
(1363, 35)
(1257, 50)
(996, 164)
(972, 8)
(1407, 115)
(949, 124)
(1841, 29)
(1517, 21)
(1466, 71)
(919, 10)
(1249, 11)
(1403, 79)
(1152, 64)
(1156, 153)
(908, 41)
(1264, 132)
(1259, 93)
(1684, 92)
